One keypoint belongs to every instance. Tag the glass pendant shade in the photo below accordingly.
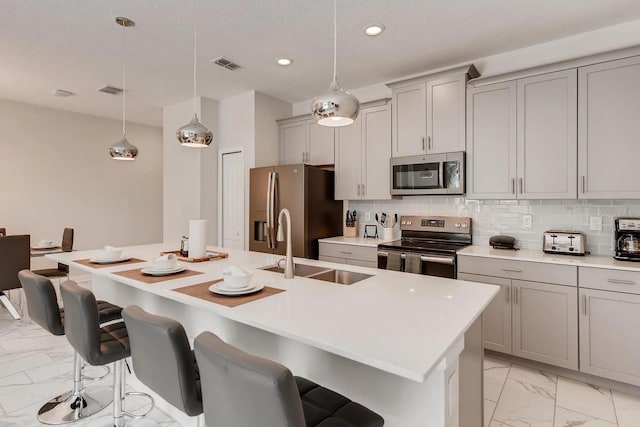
(336, 108)
(194, 134)
(123, 150)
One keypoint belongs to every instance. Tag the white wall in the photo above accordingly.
(56, 172)
(585, 44)
(268, 110)
(190, 187)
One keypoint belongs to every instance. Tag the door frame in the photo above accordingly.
(221, 153)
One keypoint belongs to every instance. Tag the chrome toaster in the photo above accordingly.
(564, 242)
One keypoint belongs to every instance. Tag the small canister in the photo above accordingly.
(184, 246)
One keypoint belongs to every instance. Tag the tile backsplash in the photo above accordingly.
(493, 217)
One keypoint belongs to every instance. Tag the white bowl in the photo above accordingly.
(234, 281)
(168, 263)
(112, 253)
(45, 243)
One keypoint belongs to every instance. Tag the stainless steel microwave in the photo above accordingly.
(428, 174)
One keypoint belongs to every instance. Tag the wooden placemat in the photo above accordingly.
(88, 263)
(201, 290)
(136, 274)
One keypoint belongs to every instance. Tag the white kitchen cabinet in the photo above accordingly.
(363, 256)
(535, 314)
(544, 321)
(608, 148)
(363, 150)
(491, 141)
(609, 318)
(522, 138)
(302, 140)
(429, 113)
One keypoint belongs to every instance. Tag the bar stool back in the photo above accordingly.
(97, 345)
(239, 389)
(43, 310)
(163, 359)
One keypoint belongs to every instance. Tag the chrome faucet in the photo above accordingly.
(288, 266)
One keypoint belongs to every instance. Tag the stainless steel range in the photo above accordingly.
(428, 245)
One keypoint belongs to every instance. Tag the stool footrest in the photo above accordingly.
(139, 393)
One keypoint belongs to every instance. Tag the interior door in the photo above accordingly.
(233, 200)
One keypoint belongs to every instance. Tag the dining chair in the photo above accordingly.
(240, 389)
(15, 255)
(62, 270)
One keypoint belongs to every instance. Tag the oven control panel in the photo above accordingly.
(444, 224)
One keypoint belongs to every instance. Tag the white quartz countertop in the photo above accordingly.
(533, 255)
(358, 241)
(400, 323)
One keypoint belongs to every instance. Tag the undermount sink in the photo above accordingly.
(340, 277)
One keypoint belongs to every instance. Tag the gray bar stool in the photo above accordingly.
(43, 309)
(239, 389)
(163, 359)
(98, 345)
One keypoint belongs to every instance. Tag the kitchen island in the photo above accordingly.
(398, 343)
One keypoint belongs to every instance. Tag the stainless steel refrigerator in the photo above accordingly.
(308, 193)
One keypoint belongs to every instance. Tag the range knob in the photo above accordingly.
(456, 225)
(465, 225)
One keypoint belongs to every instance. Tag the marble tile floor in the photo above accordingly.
(35, 366)
(517, 396)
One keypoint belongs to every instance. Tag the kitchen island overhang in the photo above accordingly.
(391, 341)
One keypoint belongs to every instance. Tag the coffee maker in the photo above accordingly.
(627, 239)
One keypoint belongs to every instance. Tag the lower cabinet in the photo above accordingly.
(363, 256)
(609, 319)
(529, 319)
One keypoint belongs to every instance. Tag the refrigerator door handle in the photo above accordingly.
(271, 212)
(269, 208)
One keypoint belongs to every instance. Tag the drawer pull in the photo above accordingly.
(621, 282)
(514, 270)
(345, 252)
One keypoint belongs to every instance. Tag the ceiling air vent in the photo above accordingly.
(225, 63)
(111, 90)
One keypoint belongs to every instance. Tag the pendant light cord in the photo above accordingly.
(195, 54)
(124, 84)
(335, 38)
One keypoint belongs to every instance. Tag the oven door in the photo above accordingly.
(420, 263)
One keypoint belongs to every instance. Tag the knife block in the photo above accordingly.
(351, 231)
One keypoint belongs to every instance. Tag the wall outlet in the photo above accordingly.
(595, 223)
(367, 216)
(527, 220)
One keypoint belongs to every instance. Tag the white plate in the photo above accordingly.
(150, 271)
(216, 289)
(109, 261)
(45, 247)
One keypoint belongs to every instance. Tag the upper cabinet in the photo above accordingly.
(302, 140)
(609, 125)
(429, 113)
(363, 150)
(521, 138)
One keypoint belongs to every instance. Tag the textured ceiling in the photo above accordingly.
(76, 45)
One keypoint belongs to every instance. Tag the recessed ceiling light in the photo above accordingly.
(374, 29)
(284, 61)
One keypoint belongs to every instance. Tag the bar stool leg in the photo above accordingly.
(76, 404)
(118, 396)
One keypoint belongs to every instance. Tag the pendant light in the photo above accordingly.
(338, 107)
(194, 134)
(124, 150)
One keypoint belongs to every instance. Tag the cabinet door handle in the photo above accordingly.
(345, 252)
(521, 186)
(363, 189)
(423, 147)
(513, 186)
(621, 282)
(584, 305)
(583, 184)
(507, 295)
(429, 142)
(515, 295)
(358, 185)
(514, 270)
